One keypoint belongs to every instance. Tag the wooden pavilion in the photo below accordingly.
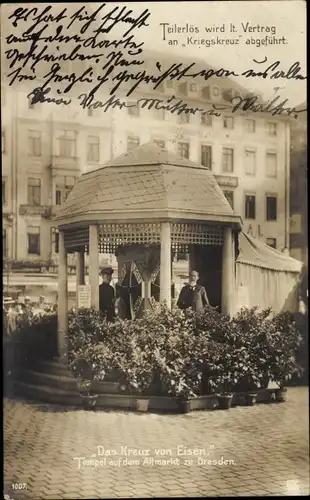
(143, 206)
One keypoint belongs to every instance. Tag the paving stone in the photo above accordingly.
(269, 444)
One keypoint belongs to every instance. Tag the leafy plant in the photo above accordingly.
(35, 337)
(284, 341)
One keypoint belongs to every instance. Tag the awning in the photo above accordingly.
(255, 253)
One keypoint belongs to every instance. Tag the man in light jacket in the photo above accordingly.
(193, 295)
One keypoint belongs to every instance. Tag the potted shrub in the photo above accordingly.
(251, 328)
(223, 373)
(89, 364)
(284, 342)
(140, 377)
(89, 400)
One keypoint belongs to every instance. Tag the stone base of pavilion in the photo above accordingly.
(50, 382)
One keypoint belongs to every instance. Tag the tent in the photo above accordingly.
(266, 277)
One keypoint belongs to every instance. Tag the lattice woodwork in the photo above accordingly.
(113, 235)
(195, 234)
(75, 239)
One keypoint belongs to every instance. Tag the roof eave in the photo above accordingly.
(146, 216)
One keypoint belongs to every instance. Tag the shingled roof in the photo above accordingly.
(148, 182)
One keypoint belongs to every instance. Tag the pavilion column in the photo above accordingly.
(165, 263)
(228, 275)
(62, 296)
(80, 271)
(94, 265)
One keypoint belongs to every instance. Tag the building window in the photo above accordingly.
(2, 141)
(90, 112)
(182, 89)
(183, 149)
(206, 156)
(271, 164)
(227, 95)
(228, 122)
(271, 242)
(250, 208)
(271, 128)
(229, 195)
(34, 191)
(250, 161)
(63, 188)
(216, 91)
(66, 144)
(159, 114)
(183, 118)
(206, 120)
(56, 241)
(132, 142)
(250, 125)
(193, 87)
(206, 93)
(34, 139)
(228, 160)
(4, 243)
(271, 207)
(30, 103)
(133, 109)
(33, 234)
(160, 143)
(4, 191)
(93, 148)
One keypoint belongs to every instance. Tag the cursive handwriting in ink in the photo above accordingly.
(88, 101)
(124, 16)
(172, 105)
(53, 76)
(18, 76)
(22, 14)
(39, 95)
(293, 73)
(253, 104)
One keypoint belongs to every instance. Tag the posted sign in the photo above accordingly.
(84, 297)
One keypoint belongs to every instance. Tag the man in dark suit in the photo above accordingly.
(193, 295)
(107, 294)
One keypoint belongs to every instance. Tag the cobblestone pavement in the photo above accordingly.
(267, 446)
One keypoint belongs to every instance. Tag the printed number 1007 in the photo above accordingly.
(19, 486)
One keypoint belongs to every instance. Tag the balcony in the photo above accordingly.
(70, 164)
(227, 180)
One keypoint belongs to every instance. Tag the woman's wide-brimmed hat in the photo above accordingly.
(107, 271)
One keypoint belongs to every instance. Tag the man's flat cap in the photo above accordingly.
(107, 270)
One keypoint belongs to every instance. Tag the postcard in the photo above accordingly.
(155, 250)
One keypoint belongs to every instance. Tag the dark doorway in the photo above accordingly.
(208, 263)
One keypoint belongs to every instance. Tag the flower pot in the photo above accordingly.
(264, 381)
(142, 404)
(89, 401)
(224, 401)
(280, 395)
(251, 399)
(184, 405)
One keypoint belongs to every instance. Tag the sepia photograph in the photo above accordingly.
(154, 249)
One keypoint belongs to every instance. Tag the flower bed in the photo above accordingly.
(167, 354)
(172, 354)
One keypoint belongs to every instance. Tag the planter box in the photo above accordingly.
(61, 389)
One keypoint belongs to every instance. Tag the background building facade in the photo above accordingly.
(299, 188)
(45, 147)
